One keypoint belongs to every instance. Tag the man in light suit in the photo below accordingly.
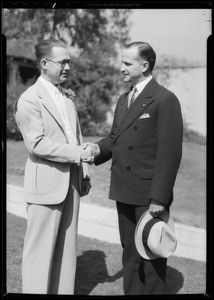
(145, 145)
(55, 174)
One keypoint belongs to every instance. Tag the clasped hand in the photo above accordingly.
(89, 152)
(156, 208)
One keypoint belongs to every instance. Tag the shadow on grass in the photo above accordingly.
(92, 270)
(174, 281)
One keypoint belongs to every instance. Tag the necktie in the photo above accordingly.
(134, 96)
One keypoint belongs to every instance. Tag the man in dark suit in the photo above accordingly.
(145, 145)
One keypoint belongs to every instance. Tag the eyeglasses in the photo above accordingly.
(61, 64)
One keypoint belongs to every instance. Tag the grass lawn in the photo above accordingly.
(99, 269)
(189, 205)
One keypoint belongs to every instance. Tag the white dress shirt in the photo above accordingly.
(140, 86)
(58, 98)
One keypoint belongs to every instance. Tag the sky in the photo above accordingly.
(177, 32)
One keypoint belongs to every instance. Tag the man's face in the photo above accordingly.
(55, 73)
(131, 66)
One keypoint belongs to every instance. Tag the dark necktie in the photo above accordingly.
(133, 97)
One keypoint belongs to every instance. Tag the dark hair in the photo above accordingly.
(145, 51)
(44, 47)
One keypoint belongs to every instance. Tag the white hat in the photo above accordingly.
(155, 237)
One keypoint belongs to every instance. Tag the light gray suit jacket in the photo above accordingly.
(47, 170)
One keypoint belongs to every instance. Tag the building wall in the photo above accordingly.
(190, 86)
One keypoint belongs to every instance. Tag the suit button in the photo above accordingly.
(135, 127)
(130, 148)
(128, 168)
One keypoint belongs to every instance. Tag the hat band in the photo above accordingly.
(146, 230)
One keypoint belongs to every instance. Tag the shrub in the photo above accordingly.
(91, 115)
(12, 129)
(190, 135)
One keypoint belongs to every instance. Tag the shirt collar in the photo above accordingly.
(49, 86)
(141, 85)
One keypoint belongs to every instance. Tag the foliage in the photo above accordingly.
(169, 62)
(164, 64)
(92, 36)
(96, 84)
(77, 27)
(193, 136)
(12, 129)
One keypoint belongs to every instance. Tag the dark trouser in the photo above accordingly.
(140, 276)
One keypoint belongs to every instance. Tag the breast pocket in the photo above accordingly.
(145, 119)
(146, 127)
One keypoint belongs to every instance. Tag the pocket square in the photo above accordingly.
(144, 116)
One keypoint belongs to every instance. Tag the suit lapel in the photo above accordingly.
(49, 103)
(122, 109)
(141, 103)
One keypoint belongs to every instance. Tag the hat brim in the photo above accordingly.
(144, 252)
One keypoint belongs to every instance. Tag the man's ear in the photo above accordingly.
(144, 66)
(43, 64)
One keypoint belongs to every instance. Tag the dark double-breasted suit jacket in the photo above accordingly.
(145, 144)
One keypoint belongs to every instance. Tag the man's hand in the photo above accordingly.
(94, 151)
(87, 154)
(156, 208)
(86, 186)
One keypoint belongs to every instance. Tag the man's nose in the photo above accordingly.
(122, 68)
(67, 67)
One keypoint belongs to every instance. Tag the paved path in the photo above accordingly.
(100, 223)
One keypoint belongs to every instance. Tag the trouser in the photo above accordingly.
(140, 276)
(49, 255)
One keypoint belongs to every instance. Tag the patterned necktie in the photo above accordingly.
(134, 96)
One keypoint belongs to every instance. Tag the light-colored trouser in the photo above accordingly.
(49, 255)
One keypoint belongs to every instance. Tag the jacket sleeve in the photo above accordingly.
(106, 144)
(28, 116)
(169, 148)
(105, 149)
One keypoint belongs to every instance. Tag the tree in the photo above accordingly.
(92, 36)
(95, 83)
(77, 27)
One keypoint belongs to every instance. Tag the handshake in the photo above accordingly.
(89, 152)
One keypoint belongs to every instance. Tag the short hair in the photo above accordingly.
(44, 47)
(145, 51)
